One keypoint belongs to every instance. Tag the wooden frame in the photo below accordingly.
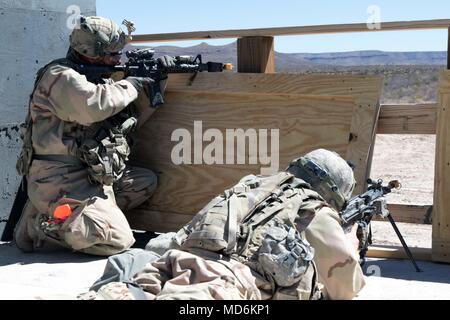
(293, 31)
(398, 119)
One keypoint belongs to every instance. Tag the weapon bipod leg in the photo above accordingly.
(405, 246)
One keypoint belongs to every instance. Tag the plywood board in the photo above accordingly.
(366, 92)
(441, 212)
(305, 122)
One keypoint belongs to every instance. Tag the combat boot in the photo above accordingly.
(24, 233)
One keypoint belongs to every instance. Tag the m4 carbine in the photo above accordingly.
(362, 208)
(141, 63)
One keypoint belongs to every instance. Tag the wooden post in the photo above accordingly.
(256, 55)
(448, 50)
(441, 211)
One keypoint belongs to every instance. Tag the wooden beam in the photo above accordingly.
(397, 252)
(407, 119)
(441, 212)
(291, 31)
(256, 55)
(420, 214)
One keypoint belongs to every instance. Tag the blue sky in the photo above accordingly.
(201, 15)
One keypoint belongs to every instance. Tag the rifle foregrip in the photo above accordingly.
(156, 97)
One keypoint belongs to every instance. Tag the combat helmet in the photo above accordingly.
(328, 174)
(96, 37)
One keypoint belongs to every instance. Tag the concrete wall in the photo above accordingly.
(33, 32)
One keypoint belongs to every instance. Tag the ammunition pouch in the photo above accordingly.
(106, 152)
(284, 255)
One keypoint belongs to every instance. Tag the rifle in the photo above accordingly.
(142, 64)
(362, 208)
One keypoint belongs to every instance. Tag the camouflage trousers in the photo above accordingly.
(180, 275)
(97, 224)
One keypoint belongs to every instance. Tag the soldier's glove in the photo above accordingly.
(166, 62)
(139, 82)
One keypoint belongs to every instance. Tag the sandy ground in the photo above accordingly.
(409, 159)
(398, 280)
(64, 275)
(60, 275)
(415, 235)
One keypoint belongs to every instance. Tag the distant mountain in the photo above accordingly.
(409, 77)
(303, 61)
(371, 58)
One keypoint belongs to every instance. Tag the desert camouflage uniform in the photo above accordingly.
(63, 103)
(66, 108)
(180, 275)
(336, 260)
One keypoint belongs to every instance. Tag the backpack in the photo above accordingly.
(259, 222)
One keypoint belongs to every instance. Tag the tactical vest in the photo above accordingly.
(260, 222)
(102, 147)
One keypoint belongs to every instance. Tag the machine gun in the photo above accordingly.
(141, 63)
(362, 208)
